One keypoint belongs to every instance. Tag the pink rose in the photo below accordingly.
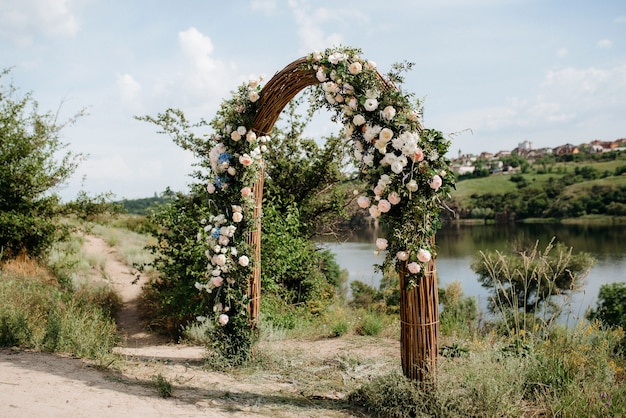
(418, 156)
(394, 198)
(223, 319)
(363, 202)
(254, 96)
(210, 188)
(436, 182)
(235, 136)
(423, 255)
(381, 243)
(245, 160)
(237, 217)
(384, 206)
(217, 281)
(402, 255)
(414, 268)
(246, 191)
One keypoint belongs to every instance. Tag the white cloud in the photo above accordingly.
(604, 44)
(571, 95)
(620, 19)
(310, 27)
(268, 7)
(562, 52)
(22, 20)
(129, 90)
(204, 75)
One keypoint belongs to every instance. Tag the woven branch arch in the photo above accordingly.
(419, 304)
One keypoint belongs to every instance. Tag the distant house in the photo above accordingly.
(501, 154)
(565, 149)
(486, 155)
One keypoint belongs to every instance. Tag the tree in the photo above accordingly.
(611, 305)
(526, 281)
(303, 173)
(33, 162)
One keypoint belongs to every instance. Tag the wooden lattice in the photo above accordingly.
(418, 306)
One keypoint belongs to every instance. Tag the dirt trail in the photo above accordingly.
(49, 385)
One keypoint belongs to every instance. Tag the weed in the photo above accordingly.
(163, 387)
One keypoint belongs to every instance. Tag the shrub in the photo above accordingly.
(32, 163)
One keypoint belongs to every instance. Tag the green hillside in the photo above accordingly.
(559, 190)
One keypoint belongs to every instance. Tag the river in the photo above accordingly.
(457, 245)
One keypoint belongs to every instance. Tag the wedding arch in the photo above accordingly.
(403, 163)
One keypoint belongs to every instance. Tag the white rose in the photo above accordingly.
(381, 243)
(251, 136)
(219, 259)
(413, 116)
(358, 120)
(355, 68)
(397, 166)
(231, 171)
(370, 105)
(386, 134)
(235, 136)
(253, 83)
(223, 319)
(412, 186)
(210, 188)
(254, 96)
(237, 217)
(242, 130)
(317, 56)
(388, 112)
(244, 261)
(321, 77)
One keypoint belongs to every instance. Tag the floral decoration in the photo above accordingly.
(403, 163)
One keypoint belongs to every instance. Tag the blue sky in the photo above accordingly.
(493, 73)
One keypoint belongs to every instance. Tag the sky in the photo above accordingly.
(491, 73)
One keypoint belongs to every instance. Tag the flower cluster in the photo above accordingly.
(403, 162)
(234, 164)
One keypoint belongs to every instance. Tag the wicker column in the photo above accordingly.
(419, 317)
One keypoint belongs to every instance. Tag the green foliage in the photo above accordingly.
(370, 323)
(180, 262)
(162, 385)
(88, 208)
(302, 173)
(33, 161)
(459, 313)
(527, 281)
(293, 267)
(611, 305)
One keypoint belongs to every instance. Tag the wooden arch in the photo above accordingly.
(418, 305)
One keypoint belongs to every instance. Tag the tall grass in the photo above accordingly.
(40, 315)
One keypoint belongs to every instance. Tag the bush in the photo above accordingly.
(32, 163)
(611, 305)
